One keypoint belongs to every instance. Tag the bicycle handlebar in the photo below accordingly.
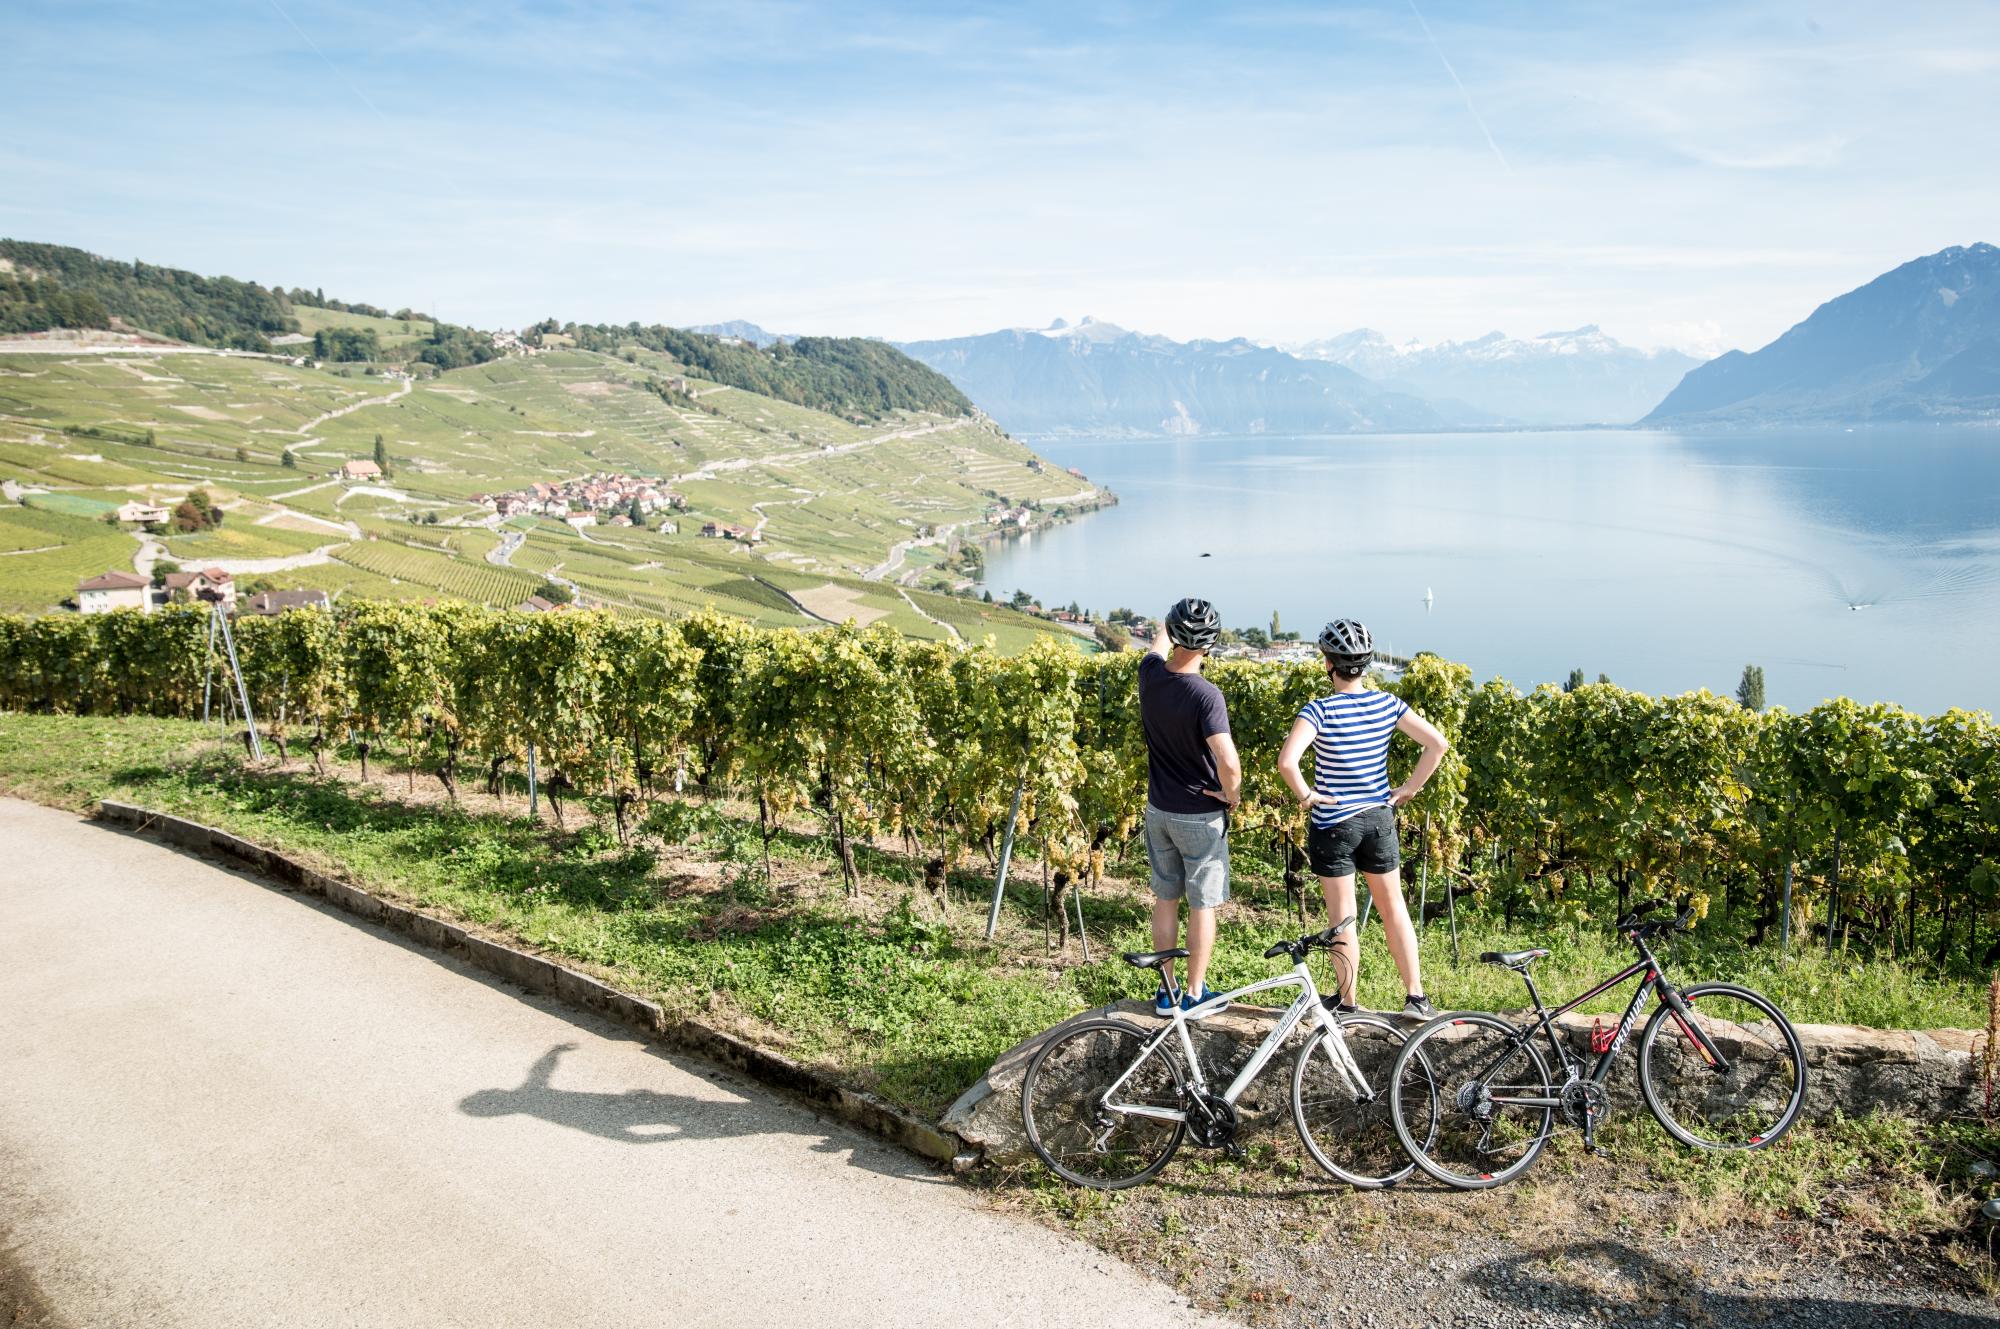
(1630, 922)
(1312, 941)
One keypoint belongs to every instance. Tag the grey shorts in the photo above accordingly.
(1189, 854)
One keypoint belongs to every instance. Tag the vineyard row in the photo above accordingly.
(1553, 803)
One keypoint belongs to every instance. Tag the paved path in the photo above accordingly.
(223, 1106)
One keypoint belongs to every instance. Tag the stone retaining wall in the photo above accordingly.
(1931, 1074)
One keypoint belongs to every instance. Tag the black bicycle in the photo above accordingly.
(1473, 1100)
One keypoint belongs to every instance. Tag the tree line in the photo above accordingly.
(847, 376)
(1553, 807)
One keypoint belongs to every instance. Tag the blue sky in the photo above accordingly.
(1680, 174)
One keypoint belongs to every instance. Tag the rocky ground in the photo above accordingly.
(1582, 1241)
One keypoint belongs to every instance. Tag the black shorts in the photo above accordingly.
(1366, 840)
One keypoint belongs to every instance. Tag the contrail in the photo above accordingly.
(1477, 118)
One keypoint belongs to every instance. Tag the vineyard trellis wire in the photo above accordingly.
(1560, 805)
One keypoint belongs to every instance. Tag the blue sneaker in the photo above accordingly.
(1201, 1005)
(1163, 1003)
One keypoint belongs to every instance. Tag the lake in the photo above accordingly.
(1862, 563)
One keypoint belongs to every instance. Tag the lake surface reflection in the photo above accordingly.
(1862, 563)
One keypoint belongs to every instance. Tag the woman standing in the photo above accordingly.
(1352, 806)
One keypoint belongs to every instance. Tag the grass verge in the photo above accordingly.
(894, 990)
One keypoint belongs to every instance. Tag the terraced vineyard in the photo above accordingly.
(829, 497)
(481, 583)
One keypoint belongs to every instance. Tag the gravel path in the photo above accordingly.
(1564, 1251)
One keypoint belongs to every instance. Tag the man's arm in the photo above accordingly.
(1228, 769)
(1160, 644)
(1435, 746)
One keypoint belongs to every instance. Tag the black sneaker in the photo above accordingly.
(1418, 1008)
(1334, 1004)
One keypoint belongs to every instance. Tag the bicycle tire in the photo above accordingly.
(1447, 1068)
(1671, 1109)
(1066, 1139)
(1366, 1132)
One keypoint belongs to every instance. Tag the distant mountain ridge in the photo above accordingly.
(742, 329)
(1920, 342)
(1577, 377)
(1096, 377)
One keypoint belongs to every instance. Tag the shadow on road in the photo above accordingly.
(652, 1116)
(1585, 1278)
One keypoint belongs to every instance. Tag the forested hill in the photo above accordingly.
(45, 287)
(54, 286)
(846, 376)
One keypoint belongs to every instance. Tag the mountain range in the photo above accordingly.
(1921, 342)
(1096, 378)
(1579, 377)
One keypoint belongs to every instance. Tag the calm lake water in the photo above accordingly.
(1864, 564)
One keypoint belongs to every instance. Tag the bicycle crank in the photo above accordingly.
(1211, 1120)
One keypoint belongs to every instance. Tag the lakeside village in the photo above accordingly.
(613, 499)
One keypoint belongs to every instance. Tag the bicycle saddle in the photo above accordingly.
(1513, 959)
(1153, 959)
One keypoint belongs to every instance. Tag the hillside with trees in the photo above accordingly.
(845, 376)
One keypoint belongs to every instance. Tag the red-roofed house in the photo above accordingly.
(211, 584)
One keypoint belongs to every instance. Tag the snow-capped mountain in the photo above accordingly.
(1096, 377)
(1577, 377)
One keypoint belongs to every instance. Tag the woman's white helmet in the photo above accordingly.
(1347, 646)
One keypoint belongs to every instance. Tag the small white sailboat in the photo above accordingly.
(1428, 597)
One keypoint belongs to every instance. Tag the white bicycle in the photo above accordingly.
(1106, 1103)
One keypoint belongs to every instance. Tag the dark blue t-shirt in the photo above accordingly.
(1180, 713)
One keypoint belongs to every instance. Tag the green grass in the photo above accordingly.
(893, 991)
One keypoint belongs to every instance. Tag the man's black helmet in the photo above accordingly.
(1194, 624)
(1347, 646)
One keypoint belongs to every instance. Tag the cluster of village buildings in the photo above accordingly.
(584, 501)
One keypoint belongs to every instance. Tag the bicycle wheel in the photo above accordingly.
(1070, 1116)
(1746, 1103)
(1348, 1131)
(1471, 1100)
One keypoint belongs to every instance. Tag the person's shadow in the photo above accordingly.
(636, 1116)
(650, 1116)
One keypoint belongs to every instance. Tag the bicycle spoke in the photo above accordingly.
(1742, 1100)
(1456, 1101)
(1347, 1127)
(1072, 1113)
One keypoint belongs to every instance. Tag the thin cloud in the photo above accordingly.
(1477, 118)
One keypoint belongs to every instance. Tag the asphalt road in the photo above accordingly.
(222, 1105)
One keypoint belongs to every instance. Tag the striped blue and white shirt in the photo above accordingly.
(1351, 750)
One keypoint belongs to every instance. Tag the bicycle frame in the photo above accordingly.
(1308, 1004)
(1653, 981)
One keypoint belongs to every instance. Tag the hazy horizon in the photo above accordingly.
(1700, 179)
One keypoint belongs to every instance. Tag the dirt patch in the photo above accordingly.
(589, 389)
(1579, 1244)
(22, 1305)
(837, 604)
(202, 412)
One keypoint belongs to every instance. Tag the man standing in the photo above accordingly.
(1193, 778)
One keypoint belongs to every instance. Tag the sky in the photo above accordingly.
(1690, 175)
